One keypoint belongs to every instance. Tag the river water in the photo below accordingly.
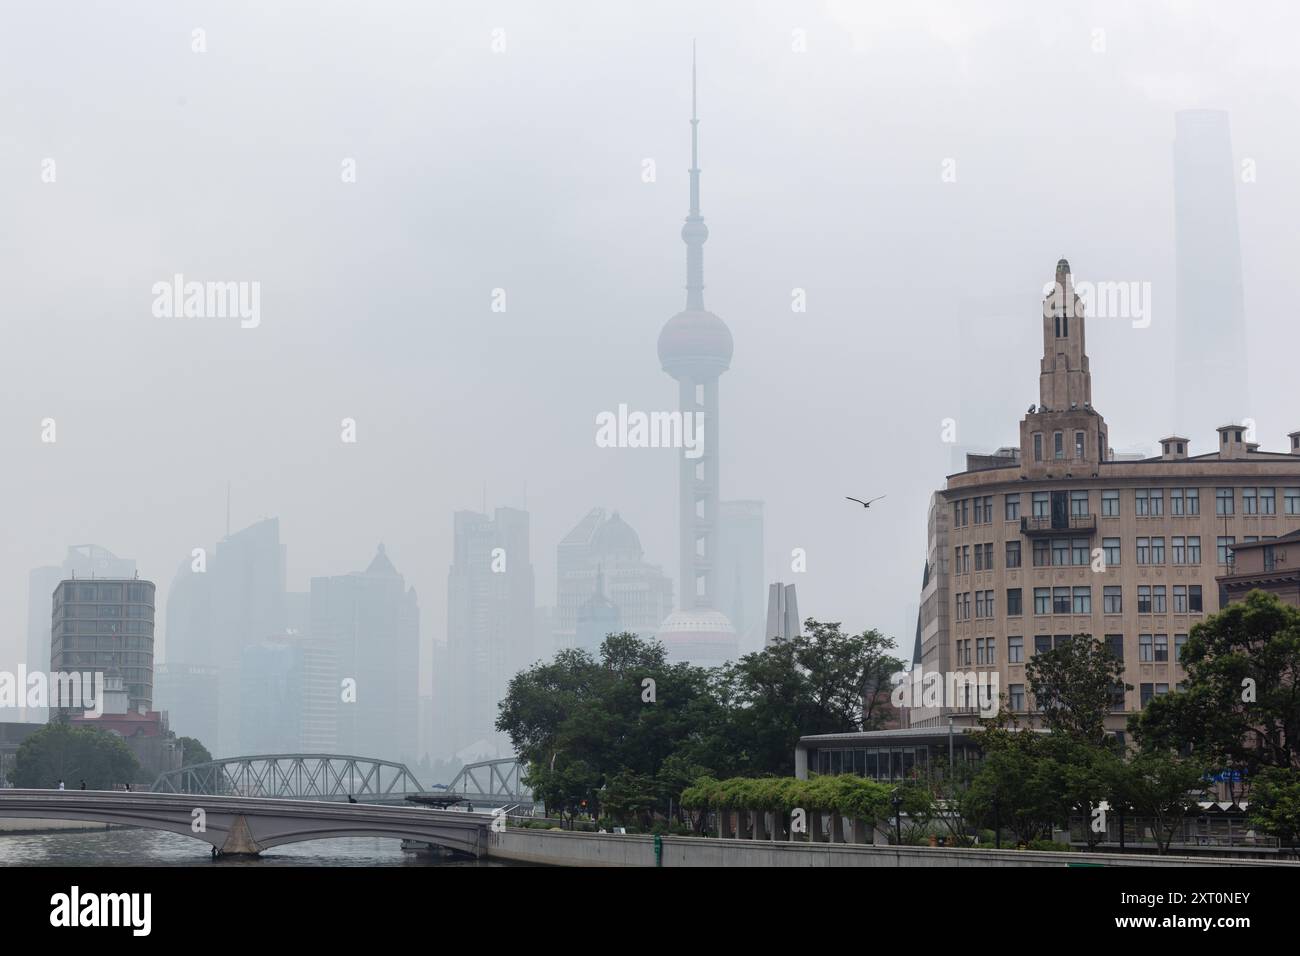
(160, 848)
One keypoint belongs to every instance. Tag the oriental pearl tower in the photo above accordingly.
(695, 348)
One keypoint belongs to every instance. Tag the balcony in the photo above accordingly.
(1058, 525)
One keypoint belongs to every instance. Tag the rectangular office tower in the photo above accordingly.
(1062, 537)
(106, 626)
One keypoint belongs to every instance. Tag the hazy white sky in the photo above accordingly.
(522, 170)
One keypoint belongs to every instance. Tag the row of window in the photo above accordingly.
(1016, 700)
(1151, 599)
(106, 627)
(1065, 552)
(142, 593)
(1058, 445)
(1152, 648)
(1147, 503)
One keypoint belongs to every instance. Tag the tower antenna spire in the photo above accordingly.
(694, 233)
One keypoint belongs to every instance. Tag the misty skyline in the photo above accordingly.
(523, 170)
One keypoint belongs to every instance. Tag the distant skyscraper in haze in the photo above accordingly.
(1211, 379)
(490, 609)
(247, 572)
(740, 571)
(233, 599)
(597, 619)
(695, 348)
(782, 613)
(607, 544)
(371, 619)
(290, 698)
(81, 561)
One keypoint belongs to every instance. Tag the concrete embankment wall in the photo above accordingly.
(562, 848)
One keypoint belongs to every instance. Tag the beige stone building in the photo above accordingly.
(1031, 545)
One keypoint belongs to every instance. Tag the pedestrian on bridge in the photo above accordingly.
(83, 783)
(60, 784)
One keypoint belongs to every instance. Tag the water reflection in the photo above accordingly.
(159, 848)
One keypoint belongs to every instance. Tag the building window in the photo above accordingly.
(1042, 600)
(1042, 553)
(1111, 551)
(1112, 599)
(1110, 504)
(1042, 643)
(1291, 501)
(1180, 599)
(1268, 501)
(1042, 502)
(1060, 551)
(1175, 501)
(1194, 549)
(1145, 692)
(1162, 648)
(1017, 697)
(1180, 646)
(1058, 445)
(1060, 600)
(1249, 501)
(1115, 644)
(1223, 501)
(1193, 501)
(1083, 600)
(1194, 598)
(979, 650)
(1013, 602)
(1224, 548)
(1141, 503)
(965, 512)
(1179, 546)
(1079, 552)
(1012, 507)
(1156, 500)
(1015, 650)
(1144, 649)
(1144, 599)
(1038, 446)
(1079, 504)
(988, 556)
(1078, 445)
(956, 560)
(979, 555)
(1158, 600)
(992, 646)
(1143, 550)
(1013, 554)
(1157, 550)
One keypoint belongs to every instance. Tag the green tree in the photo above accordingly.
(1241, 706)
(1009, 787)
(193, 752)
(1161, 786)
(60, 751)
(1275, 804)
(1074, 686)
(628, 719)
(822, 681)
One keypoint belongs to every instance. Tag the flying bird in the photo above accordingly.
(865, 504)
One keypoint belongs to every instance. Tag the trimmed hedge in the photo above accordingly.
(843, 793)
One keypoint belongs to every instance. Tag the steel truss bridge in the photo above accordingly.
(492, 783)
(295, 777)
